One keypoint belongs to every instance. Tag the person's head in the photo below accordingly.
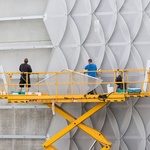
(26, 60)
(90, 61)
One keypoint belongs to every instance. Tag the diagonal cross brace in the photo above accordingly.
(77, 122)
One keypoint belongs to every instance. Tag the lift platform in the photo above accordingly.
(68, 86)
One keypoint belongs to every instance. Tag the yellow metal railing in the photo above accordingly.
(74, 82)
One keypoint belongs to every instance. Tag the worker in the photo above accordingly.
(25, 67)
(91, 68)
(119, 81)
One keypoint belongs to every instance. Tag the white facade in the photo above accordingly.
(64, 34)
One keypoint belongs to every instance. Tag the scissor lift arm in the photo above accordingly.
(77, 122)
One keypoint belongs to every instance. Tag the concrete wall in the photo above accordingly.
(23, 34)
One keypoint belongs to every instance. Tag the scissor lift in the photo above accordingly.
(102, 99)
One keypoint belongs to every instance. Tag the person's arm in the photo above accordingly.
(96, 67)
(96, 71)
(85, 69)
(29, 69)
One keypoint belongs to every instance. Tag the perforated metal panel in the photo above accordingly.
(115, 34)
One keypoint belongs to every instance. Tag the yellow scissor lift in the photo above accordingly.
(51, 99)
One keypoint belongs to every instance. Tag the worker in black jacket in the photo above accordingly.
(26, 69)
